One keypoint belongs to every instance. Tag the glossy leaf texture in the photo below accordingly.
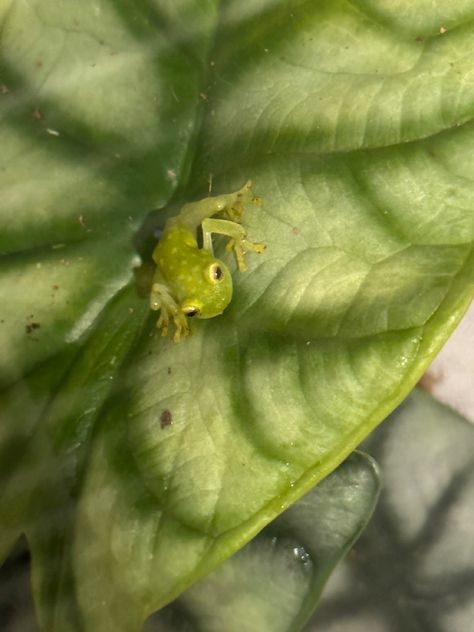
(354, 123)
(413, 566)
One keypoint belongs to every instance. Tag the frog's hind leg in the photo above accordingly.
(230, 205)
(161, 299)
(238, 238)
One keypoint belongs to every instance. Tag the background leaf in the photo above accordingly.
(413, 566)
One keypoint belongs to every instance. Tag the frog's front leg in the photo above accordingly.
(161, 299)
(238, 238)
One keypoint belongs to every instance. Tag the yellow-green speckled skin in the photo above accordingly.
(185, 269)
(189, 281)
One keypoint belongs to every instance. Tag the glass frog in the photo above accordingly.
(189, 281)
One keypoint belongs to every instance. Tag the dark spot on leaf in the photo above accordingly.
(31, 327)
(295, 230)
(37, 114)
(166, 418)
(169, 370)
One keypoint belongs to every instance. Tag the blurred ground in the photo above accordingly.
(450, 378)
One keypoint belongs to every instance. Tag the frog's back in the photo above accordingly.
(173, 249)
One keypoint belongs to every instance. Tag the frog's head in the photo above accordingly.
(211, 292)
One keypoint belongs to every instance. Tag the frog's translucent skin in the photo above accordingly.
(190, 281)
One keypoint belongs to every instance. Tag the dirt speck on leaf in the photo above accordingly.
(30, 327)
(166, 418)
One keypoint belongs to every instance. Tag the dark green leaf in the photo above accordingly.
(412, 569)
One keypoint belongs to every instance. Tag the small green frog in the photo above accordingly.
(189, 281)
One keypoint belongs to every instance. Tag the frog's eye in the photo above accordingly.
(215, 272)
(190, 310)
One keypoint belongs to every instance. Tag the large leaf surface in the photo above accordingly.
(355, 125)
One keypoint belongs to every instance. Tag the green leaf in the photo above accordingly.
(413, 566)
(355, 126)
(274, 582)
(89, 93)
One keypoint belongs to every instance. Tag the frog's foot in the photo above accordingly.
(235, 211)
(238, 241)
(182, 326)
(161, 299)
(240, 245)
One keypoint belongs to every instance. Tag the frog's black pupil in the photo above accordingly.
(191, 313)
(217, 273)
